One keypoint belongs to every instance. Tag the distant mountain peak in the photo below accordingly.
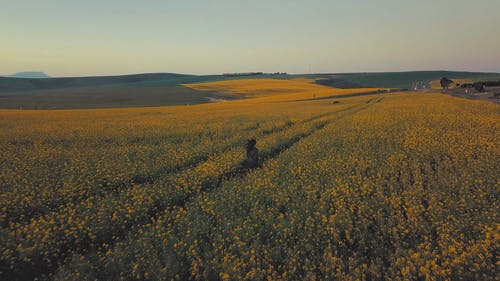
(30, 74)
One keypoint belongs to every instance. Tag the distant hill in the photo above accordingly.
(30, 74)
(155, 89)
(406, 79)
(135, 90)
(10, 84)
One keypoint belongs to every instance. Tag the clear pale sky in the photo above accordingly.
(100, 37)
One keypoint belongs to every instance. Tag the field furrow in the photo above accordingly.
(17, 213)
(369, 191)
(45, 203)
(389, 186)
(211, 184)
(101, 220)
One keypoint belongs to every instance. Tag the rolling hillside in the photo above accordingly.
(406, 79)
(159, 89)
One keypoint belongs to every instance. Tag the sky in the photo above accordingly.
(103, 37)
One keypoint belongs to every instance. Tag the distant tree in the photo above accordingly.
(479, 86)
(445, 83)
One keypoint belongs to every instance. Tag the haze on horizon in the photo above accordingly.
(77, 38)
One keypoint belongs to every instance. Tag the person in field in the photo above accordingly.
(252, 160)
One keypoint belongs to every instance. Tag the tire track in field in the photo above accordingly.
(278, 150)
(213, 184)
(149, 179)
(141, 179)
(137, 179)
(45, 264)
(369, 93)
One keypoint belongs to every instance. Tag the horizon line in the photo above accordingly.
(264, 73)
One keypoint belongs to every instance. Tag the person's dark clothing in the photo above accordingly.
(252, 157)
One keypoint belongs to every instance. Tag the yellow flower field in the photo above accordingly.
(274, 89)
(399, 186)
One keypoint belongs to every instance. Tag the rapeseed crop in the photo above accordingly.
(397, 186)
